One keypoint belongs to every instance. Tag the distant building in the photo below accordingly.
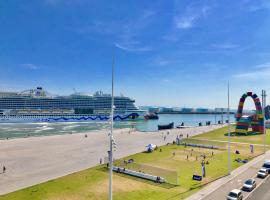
(164, 109)
(187, 110)
(202, 110)
(153, 109)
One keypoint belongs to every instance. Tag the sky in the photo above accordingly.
(167, 53)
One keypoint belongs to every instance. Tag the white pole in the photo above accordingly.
(263, 112)
(229, 132)
(264, 121)
(111, 136)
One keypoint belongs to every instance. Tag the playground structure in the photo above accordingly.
(255, 121)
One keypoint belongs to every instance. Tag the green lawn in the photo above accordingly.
(93, 183)
(220, 135)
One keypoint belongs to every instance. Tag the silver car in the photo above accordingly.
(262, 173)
(235, 195)
(249, 185)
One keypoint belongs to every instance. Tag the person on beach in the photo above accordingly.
(4, 168)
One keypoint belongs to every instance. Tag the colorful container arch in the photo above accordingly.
(255, 121)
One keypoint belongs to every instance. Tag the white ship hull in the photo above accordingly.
(68, 118)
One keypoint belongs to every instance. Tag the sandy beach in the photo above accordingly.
(34, 160)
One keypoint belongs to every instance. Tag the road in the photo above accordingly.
(262, 192)
(236, 183)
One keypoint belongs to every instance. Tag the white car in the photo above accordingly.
(262, 173)
(249, 185)
(235, 195)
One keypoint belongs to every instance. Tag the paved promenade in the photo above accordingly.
(30, 161)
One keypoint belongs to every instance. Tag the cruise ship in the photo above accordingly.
(37, 105)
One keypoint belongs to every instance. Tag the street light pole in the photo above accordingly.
(263, 113)
(229, 132)
(111, 137)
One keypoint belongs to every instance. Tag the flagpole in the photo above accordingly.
(111, 136)
(229, 132)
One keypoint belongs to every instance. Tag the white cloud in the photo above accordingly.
(185, 23)
(133, 29)
(29, 66)
(190, 17)
(133, 48)
(124, 33)
(257, 5)
(258, 72)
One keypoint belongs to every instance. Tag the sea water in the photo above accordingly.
(16, 130)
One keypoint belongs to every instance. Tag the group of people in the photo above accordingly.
(164, 135)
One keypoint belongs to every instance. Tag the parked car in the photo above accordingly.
(249, 185)
(235, 195)
(262, 173)
(266, 165)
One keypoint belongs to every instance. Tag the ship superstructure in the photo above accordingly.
(37, 105)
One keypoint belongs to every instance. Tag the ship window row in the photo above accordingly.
(51, 105)
(70, 103)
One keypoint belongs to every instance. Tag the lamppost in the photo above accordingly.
(111, 137)
(263, 113)
(229, 131)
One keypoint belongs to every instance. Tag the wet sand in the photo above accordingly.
(34, 160)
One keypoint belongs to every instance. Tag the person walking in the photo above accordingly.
(4, 168)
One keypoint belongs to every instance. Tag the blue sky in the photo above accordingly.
(170, 53)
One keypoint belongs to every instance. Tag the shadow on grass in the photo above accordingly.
(162, 185)
(249, 133)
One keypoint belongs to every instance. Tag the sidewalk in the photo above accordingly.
(221, 187)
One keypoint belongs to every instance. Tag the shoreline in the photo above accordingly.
(52, 135)
(34, 160)
(102, 130)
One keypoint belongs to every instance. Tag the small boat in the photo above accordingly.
(166, 126)
(151, 116)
